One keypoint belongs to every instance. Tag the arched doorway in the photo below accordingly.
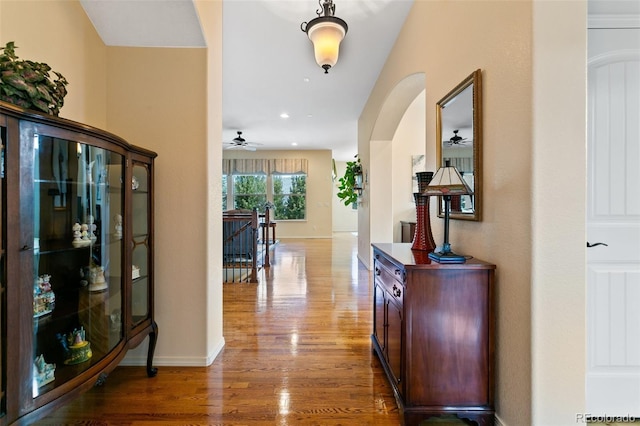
(378, 216)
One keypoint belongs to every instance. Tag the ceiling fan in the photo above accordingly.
(241, 143)
(456, 139)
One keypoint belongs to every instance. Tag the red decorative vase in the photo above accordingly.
(423, 180)
(422, 238)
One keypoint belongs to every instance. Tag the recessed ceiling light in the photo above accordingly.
(309, 115)
(294, 143)
(306, 79)
(284, 115)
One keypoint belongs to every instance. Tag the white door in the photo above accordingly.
(613, 218)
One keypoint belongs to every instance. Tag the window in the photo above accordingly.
(249, 183)
(224, 192)
(290, 196)
(249, 191)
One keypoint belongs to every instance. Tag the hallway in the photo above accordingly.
(297, 352)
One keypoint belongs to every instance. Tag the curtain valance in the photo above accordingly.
(249, 166)
(288, 166)
(244, 166)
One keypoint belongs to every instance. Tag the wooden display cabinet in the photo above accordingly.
(433, 331)
(77, 215)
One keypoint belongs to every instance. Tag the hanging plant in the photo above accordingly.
(350, 185)
(28, 84)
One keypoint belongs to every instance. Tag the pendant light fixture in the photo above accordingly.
(325, 32)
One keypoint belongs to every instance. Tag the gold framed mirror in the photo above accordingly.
(459, 142)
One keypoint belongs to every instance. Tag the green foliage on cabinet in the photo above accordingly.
(28, 84)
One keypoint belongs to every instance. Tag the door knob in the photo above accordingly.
(589, 245)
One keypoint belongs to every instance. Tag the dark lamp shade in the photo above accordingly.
(447, 181)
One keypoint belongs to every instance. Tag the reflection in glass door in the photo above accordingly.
(77, 282)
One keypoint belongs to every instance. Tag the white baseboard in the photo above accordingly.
(131, 361)
(215, 352)
(499, 421)
(135, 360)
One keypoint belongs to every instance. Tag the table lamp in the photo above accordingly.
(447, 182)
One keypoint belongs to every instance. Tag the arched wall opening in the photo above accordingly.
(397, 136)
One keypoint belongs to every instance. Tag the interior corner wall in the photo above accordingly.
(318, 223)
(408, 141)
(210, 14)
(558, 217)
(364, 207)
(60, 34)
(494, 36)
(157, 99)
(381, 182)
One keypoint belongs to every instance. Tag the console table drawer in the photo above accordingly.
(390, 283)
(394, 271)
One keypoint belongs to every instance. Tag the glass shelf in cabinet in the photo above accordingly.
(58, 246)
(139, 279)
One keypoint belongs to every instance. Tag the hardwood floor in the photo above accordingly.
(297, 352)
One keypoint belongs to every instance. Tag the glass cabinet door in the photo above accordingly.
(140, 258)
(77, 261)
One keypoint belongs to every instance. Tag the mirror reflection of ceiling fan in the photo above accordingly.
(456, 139)
(241, 143)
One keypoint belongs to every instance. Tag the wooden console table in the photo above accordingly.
(433, 332)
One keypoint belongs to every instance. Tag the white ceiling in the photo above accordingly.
(268, 65)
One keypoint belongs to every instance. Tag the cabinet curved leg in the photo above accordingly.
(153, 338)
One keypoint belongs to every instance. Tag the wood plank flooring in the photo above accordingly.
(298, 352)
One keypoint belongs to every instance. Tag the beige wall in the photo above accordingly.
(319, 193)
(496, 37)
(558, 212)
(210, 13)
(540, 275)
(59, 34)
(408, 140)
(147, 109)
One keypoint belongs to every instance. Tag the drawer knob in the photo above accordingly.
(396, 291)
(377, 271)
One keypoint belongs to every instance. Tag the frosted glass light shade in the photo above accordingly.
(326, 36)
